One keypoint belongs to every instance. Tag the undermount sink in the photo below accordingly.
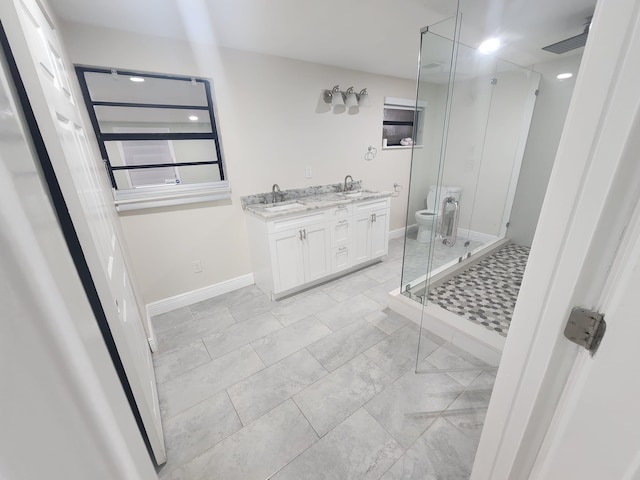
(283, 207)
(359, 193)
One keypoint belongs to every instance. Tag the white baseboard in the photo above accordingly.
(171, 303)
(476, 236)
(399, 233)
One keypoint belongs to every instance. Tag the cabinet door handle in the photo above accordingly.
(341, 249)
(341, 207)
(304, 233)
(342, 221)
(300, 232)
(373, 217)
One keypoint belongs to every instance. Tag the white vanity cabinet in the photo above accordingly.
(291, 252)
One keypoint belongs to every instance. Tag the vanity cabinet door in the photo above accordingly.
(371, 235)
(379, 233)
(286, 253)
(315, 249)
(362, 238)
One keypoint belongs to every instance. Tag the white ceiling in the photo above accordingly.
(377, 36)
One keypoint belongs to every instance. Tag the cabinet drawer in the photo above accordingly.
(341, 232)
(372, 205)
(289, 223)
(340, 211)
(341, 258)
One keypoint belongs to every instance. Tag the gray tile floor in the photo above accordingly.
(321, 385)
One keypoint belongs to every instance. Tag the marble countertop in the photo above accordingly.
(309, 203)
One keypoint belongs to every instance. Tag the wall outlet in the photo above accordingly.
(308, 172)
(197, 266)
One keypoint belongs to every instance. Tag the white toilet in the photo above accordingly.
(425, 218)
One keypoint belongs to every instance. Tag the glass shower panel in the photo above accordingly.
(433, 96)
(512, 103)
(455, 89)
(473, 89)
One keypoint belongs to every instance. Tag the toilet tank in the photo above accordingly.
(430, 201)
(445, 191)
(454, 192)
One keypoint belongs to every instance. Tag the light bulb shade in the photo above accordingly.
(351, 100)
(364, 98)
(337, 98)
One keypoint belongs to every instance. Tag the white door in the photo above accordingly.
(288, 268)
(316, 252)
(62, 407)
(596, 433)
(87, 194)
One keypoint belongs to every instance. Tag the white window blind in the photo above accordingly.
(145, 152)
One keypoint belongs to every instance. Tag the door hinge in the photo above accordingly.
(586, 328)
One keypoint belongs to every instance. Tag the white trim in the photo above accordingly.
(522, 143)
(477, 236)
(152, 338)
(162, 196)
(404, 102)
(401, 147)
(398, 233)
(194, 296)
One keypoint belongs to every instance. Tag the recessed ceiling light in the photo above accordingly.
(564, 76)
(193, 118)
(136, 79)
(489, 46)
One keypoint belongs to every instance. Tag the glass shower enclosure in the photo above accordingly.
(476, 110)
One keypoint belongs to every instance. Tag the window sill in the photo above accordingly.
(401, 147)
(164, 196)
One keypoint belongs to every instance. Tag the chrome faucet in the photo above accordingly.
(348, 177)
(275, 190)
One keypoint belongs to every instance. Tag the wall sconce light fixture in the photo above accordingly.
(363, 98)
(349, 98)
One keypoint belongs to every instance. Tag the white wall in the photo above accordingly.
(273, 124)
(544, 136)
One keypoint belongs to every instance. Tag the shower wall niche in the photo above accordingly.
(476, 110)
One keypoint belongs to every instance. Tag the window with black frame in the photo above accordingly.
(157, 135)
